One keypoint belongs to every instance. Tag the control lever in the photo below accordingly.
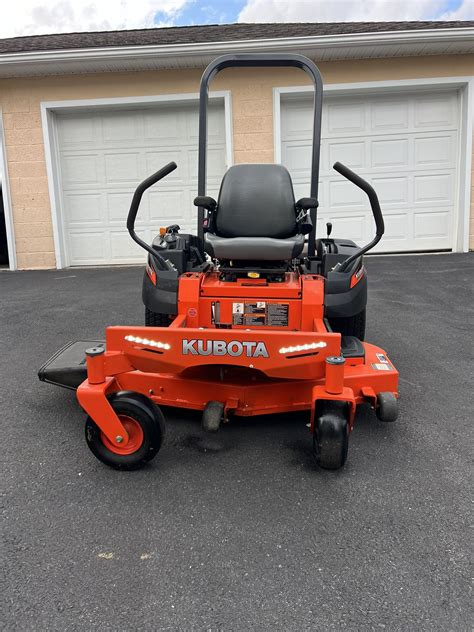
(328, 229)
(132, 213)
(376, 212)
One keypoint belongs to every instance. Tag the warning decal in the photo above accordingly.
(260, 313)
(382, 366)
(255, 308)
(277, 314)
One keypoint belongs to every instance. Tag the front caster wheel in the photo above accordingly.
(331, 435)
(387, 407)
(144, 423)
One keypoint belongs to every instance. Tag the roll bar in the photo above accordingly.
(376, 211)
(269, 60)
(132, 213)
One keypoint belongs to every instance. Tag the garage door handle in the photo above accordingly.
(134, 206)
(376, 211)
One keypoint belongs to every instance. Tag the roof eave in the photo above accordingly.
(360, 45)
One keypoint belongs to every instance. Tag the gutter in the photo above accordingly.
(326, 43)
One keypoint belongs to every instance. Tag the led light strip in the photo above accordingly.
(148, 343)
(307, 347)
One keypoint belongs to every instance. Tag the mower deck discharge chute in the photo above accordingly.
(253, 311)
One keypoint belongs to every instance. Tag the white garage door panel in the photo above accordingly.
(84, 246)
(103, 155)
(405, 145)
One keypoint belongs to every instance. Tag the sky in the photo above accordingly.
(36, 17)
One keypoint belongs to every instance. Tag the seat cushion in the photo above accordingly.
(253, 248)
(256, 201)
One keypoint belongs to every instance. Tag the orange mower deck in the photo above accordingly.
(251, 370)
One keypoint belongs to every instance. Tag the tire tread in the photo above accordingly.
(152, 319)
(351, 326)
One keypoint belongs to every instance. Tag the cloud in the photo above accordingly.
(353, 10)
(465, 11)
(34, 17)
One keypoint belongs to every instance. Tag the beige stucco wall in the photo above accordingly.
(252, 111)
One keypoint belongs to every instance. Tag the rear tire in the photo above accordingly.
(351, 326)
(331, 435)
(152, 319)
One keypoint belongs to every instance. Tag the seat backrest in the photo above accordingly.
(256, 201)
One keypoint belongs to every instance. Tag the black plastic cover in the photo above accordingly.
(67, 367)
(351, 347)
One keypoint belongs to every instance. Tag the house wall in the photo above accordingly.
(252, 111)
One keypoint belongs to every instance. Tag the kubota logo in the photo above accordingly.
(220, 348)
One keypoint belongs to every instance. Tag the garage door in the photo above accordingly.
(103, 155)
(405, 145)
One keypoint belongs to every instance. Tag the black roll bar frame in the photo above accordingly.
(267, 60)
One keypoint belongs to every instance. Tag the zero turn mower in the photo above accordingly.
(253, 311)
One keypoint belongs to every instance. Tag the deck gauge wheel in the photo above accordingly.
(145, 425)
(387, 407)
(212, 416)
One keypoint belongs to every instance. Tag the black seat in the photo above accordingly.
(256, 217)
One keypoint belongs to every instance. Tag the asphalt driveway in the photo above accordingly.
(241, 532)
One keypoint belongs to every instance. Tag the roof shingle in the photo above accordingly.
(208, 33)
